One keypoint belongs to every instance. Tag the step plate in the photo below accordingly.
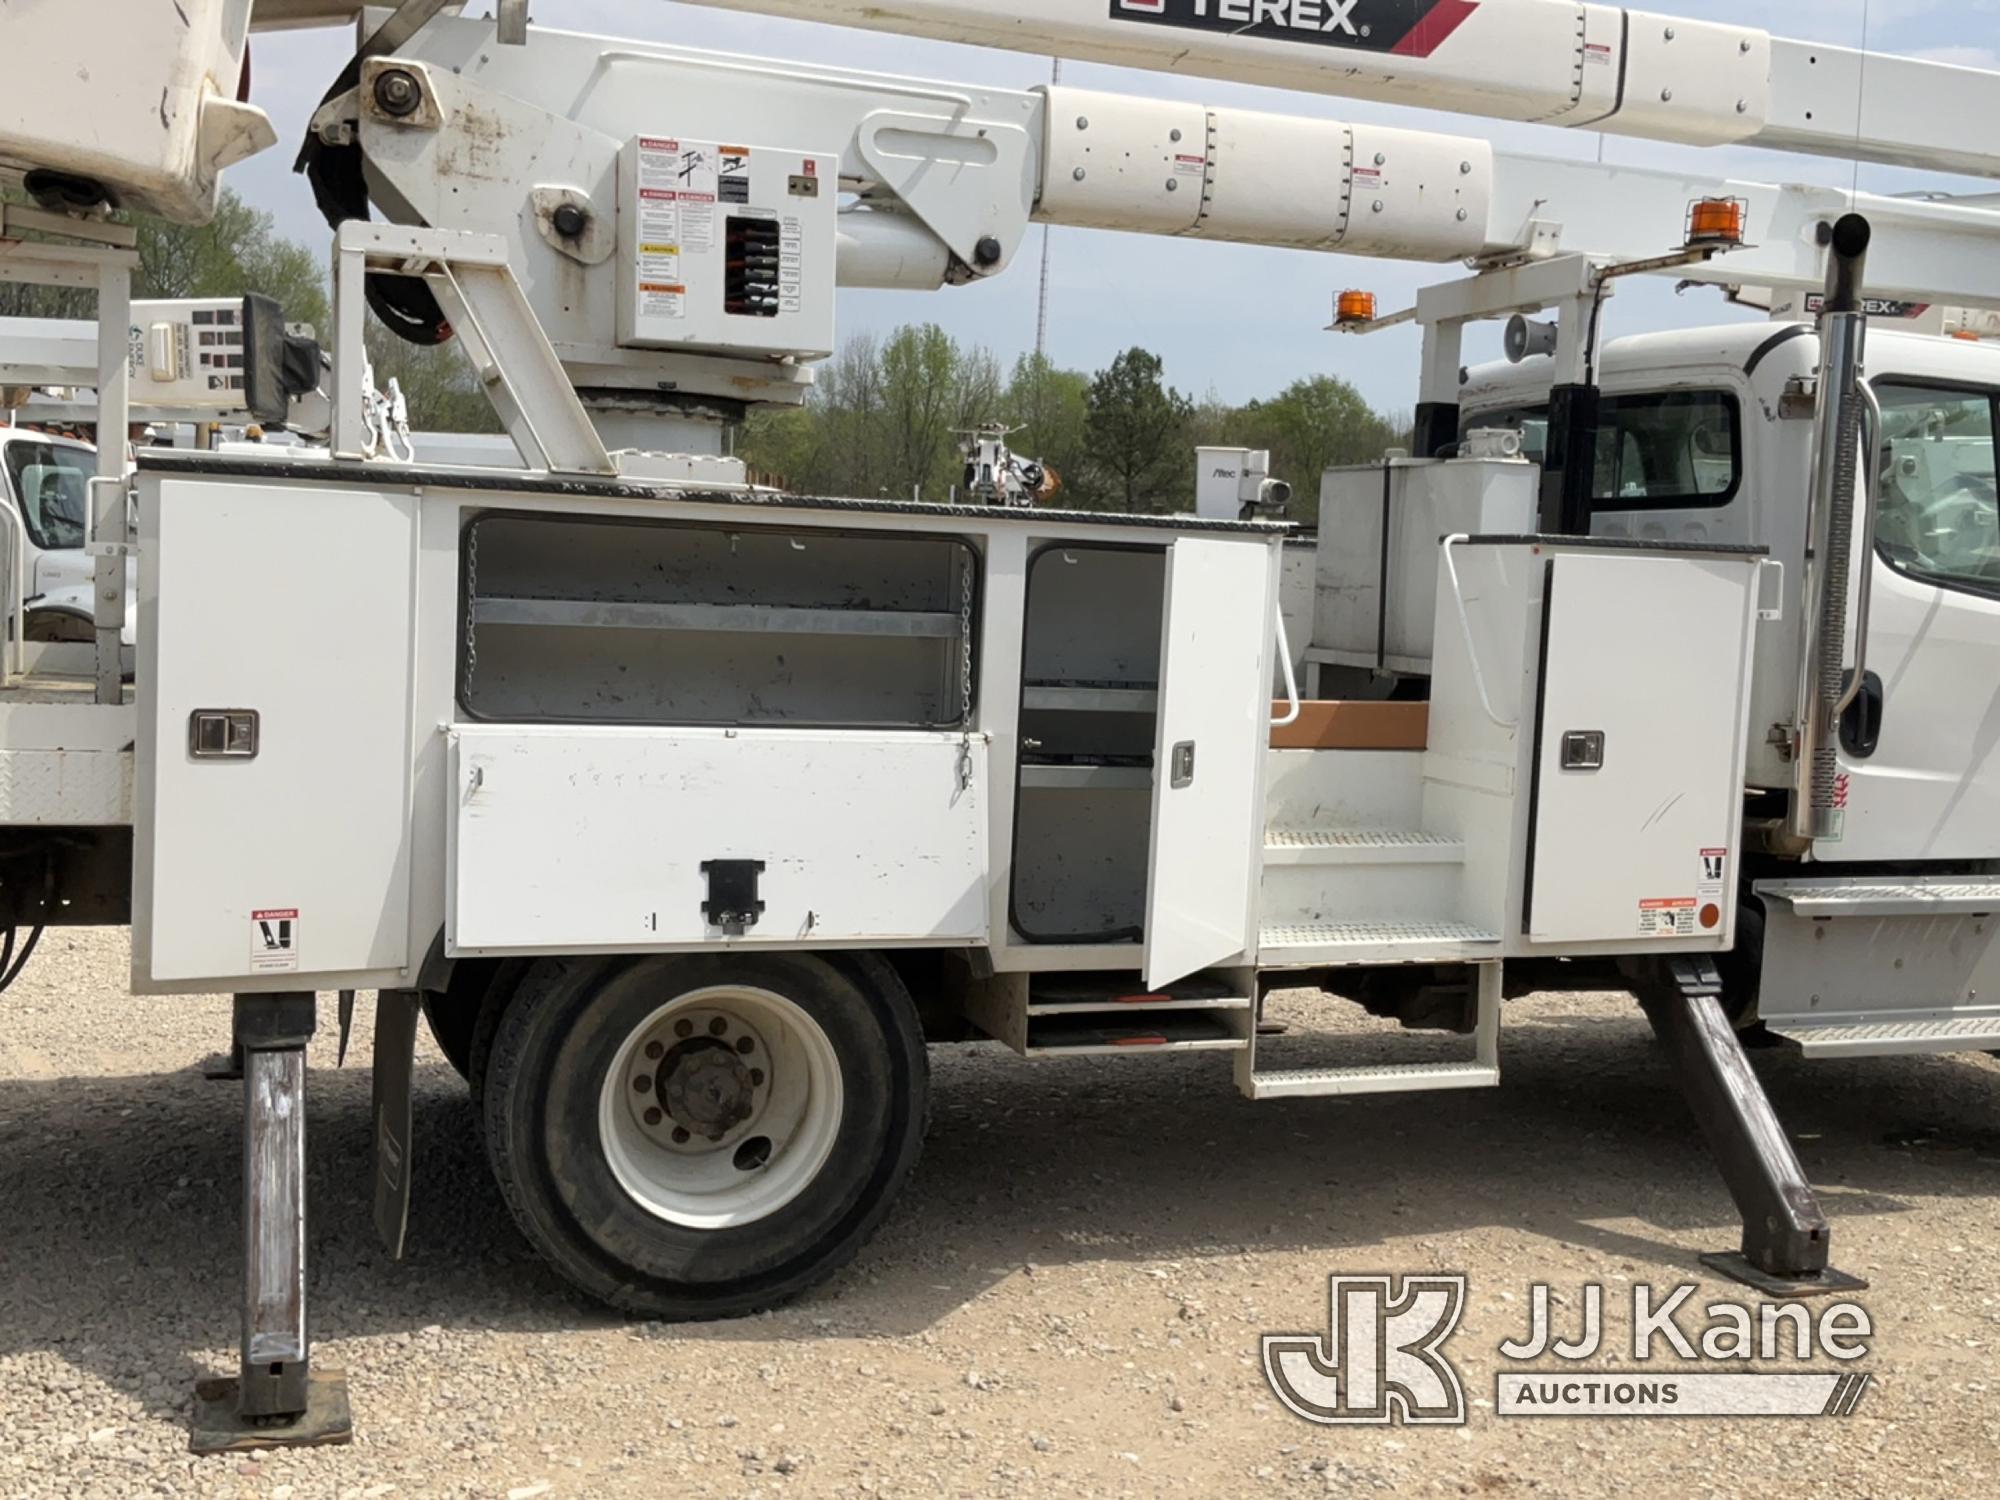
(1314, 846)
(1884, 898)
(1314, 944)
(1303, 1083)
(1892, 1038)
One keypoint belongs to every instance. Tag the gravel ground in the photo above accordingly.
(1067, 1300)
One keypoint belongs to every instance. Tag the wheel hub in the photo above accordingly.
(702, 1085)
(701, 1081)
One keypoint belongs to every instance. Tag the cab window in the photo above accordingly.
(1659, 450)
(51, 482)
(1938, 512)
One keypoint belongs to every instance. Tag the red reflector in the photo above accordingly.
(1144, 999)
(1711, 917)
(1139, 1041)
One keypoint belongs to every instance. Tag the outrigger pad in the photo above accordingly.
(218, 1427)
(1827, 1283)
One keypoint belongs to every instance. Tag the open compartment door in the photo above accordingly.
(1215, 707)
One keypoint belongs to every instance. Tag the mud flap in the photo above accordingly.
(395, 1064)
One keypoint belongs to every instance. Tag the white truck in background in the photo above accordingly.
(689, 812)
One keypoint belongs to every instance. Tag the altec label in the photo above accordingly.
(1402, 28)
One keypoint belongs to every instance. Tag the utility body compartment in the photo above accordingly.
(390, 713)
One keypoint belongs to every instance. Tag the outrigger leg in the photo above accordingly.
(1787, 1241)
(278, 1399)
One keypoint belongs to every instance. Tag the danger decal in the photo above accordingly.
(1401, 28)
(274, 940)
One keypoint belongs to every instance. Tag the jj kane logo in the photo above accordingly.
(1382, 1360)
(1404, 28)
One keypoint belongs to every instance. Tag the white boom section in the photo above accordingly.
(1552, 62)
(938, 167)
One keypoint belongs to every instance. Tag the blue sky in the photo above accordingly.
(1236, 320)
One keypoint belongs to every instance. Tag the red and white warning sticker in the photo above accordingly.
(274, 940)
(1672, 916)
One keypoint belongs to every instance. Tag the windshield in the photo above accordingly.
(50, 481)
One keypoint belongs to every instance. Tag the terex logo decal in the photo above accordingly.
(1403, 28)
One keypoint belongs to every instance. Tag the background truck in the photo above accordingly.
(689, 812)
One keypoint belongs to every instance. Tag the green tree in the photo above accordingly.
(1316, 423)
(1138, 434)
(1051, 408)
(437, 382)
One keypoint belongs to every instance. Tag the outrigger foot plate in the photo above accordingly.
(219, 1425)
(1828, 1283)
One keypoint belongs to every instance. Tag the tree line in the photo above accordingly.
(886, 415)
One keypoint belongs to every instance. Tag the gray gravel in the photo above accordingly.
(1067, 1301)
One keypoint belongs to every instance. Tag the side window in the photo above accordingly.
(1662, 450)
(1939, 507)
(1669, 450)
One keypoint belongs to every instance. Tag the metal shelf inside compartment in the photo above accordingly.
(1137, 1030)
(1092, 773)
(1091, 697)
(628, 614)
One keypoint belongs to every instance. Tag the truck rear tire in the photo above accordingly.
(705, 1135)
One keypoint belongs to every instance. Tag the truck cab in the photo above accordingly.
(1706, 436)
(44, 483)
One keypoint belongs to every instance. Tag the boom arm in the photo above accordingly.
(1552, 62)
(579, 151)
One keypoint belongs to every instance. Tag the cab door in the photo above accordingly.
(1921, 748)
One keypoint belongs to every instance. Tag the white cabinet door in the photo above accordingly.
(289, 868)
(1638, 772)
(596, 837)
(1214, 722)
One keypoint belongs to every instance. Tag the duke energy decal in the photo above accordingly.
(1401, 28)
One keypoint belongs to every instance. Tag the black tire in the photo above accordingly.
(451, 1017)
(552, 1050)
(493, 1003)
(59, 626)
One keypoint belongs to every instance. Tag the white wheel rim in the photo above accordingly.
(720, 1107)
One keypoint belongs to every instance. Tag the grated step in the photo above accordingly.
(1891, 1038)
(1885, 898)
(1335, 943)
(1303, 1083)
(1359, 846)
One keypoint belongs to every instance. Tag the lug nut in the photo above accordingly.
(746, 1045)
(397, 93)
(680, 1135)
(717, 1026)
(653, 1117)
(684, 1027)
(643, 1084)
(756, 1078)
(655, 1051)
